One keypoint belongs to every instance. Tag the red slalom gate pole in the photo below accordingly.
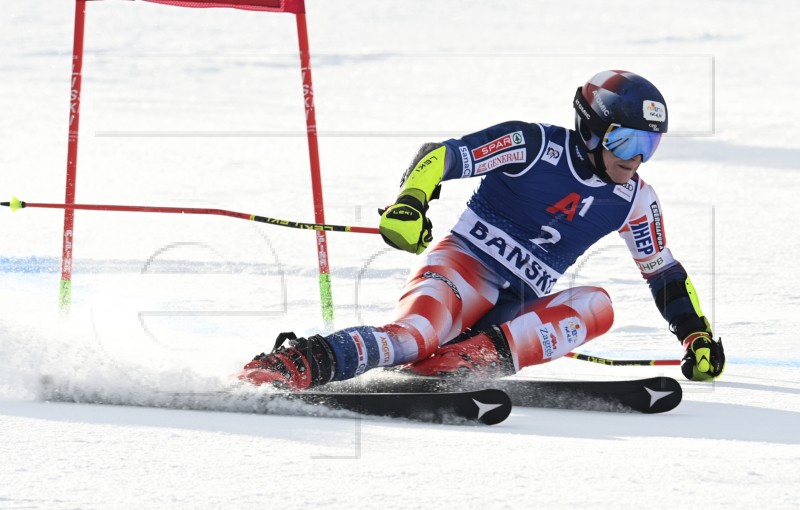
(65, 286)
(325, 289)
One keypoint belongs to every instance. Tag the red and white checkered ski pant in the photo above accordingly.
(453, 291)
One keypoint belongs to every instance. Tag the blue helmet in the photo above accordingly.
(621, 110)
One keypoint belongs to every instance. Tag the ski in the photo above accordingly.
(395, 395)
(485, 406)
(651, 395)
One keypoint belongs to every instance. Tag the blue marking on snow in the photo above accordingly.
(788, 363)
(29, 265)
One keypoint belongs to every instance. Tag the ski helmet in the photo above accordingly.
(622, 112)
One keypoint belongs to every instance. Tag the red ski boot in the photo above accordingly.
(298, 364)
(484, 354)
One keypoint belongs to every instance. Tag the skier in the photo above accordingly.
(482, 303)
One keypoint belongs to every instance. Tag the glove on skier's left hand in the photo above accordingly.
(404, 225)
(704, 358)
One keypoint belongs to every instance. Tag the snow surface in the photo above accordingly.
(202, 108)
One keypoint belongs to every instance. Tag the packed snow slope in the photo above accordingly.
(203, 108)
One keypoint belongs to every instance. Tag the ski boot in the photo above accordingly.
(294, 363)
(482, 354)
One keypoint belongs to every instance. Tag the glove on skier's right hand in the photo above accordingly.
(404, 225)
(704, 359)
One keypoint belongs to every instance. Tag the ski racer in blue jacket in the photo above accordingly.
(482, 301)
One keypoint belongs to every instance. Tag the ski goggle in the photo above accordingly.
(626, 143)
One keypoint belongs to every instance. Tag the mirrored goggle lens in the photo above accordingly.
(626, 143)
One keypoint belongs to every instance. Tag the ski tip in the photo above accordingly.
(492, 406)
(665, 394)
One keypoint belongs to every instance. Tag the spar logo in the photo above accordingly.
(504, 142)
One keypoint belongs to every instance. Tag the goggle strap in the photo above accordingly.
(587, 114)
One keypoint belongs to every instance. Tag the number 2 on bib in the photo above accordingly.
(569, 206)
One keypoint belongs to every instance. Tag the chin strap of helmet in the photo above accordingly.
(600, 165)
(596, 153)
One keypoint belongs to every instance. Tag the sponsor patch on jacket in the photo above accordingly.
(651, 265)
(552, 153)
(625, 190)
(499, 144)
(658, 230)
(642, 236)
(502, 159)
(466, 161)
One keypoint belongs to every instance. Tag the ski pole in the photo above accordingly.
(623, 362)
(16, 204)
